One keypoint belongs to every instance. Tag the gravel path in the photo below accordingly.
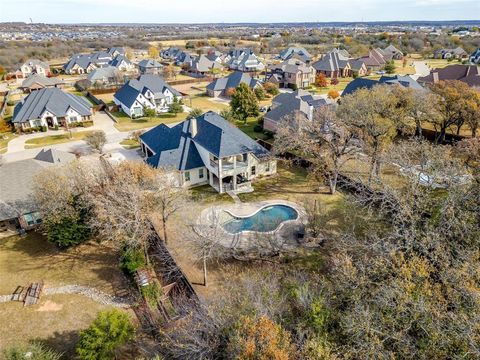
(92, 293)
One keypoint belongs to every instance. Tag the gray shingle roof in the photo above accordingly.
(128, 93)
(39, 79)
(288, 53)
(149, 64)
(52, 99)
(287, 104)
(17, 180)
(108, 72)
(176, 147)
(232, 81)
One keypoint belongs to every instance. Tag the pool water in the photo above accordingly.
(265, 220)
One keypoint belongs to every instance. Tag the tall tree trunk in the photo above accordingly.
(164, 223)
(418, 131)
(332, 180)
(205, 283)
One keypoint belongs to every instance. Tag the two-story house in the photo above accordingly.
(295, 53)
(149, 66)
(33, 66)
(296, 104)
(222, 86)
(292, 73)
(244, 60)
(147, 91)
(207, 150)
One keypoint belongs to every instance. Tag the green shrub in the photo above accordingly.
(43, 128)
(260, 93)
(34, 351)
(268, 134)
(258, 128)
(131, 260)
(56, 127)
(68, 231)
(149, 112)
(152, 293)
(108, 331)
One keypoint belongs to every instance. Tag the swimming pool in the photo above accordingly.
(266, 219)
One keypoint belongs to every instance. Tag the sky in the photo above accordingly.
(218, 11)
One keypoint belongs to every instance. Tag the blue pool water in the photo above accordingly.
(266, 220)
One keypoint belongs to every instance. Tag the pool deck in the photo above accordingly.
(209, 224)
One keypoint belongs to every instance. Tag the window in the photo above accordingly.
(200, 173)
(73, 119)
(187, 175)
(267, 168)
(254, 170)
(29, 219)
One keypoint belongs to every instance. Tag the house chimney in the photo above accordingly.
(193, 127)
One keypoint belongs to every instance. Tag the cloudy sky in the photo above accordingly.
(201, 11)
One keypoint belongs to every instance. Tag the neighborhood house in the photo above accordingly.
(147, 91)
(33, 66)
(207, 150)
(51, 107)
(225, 85)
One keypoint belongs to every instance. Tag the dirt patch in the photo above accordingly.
(50, 306)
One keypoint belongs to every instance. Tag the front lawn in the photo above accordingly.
(125, 123)
(56, 139)
(342, 84)
(4, 139)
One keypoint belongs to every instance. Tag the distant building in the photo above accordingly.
(295, 53)
(475, 57)
(299, 103)
(469, 74)
(334, 64)
(203, 65)
(363, 83)
(37, 81)
(244, 60)
(457, 53)
(292, 73)
(33, 66)
(105, 75)
(221, 86)
(150, 67)
(51, 107)
(147, 91)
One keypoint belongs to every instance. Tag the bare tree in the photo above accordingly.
(96, 140)
(373, 115)
(326, 141)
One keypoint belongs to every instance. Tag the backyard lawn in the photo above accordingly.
(342, 84)
(125, 123)
(248, 128)
(56, 139)
(205, 103)
(57, 318)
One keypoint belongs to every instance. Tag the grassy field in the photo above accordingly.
(107, 98)
(57, 318)
(56, 139)
(125, 123)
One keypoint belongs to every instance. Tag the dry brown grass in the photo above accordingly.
(33, 258)
(57, 319)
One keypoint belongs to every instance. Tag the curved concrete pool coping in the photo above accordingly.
(210, 222)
